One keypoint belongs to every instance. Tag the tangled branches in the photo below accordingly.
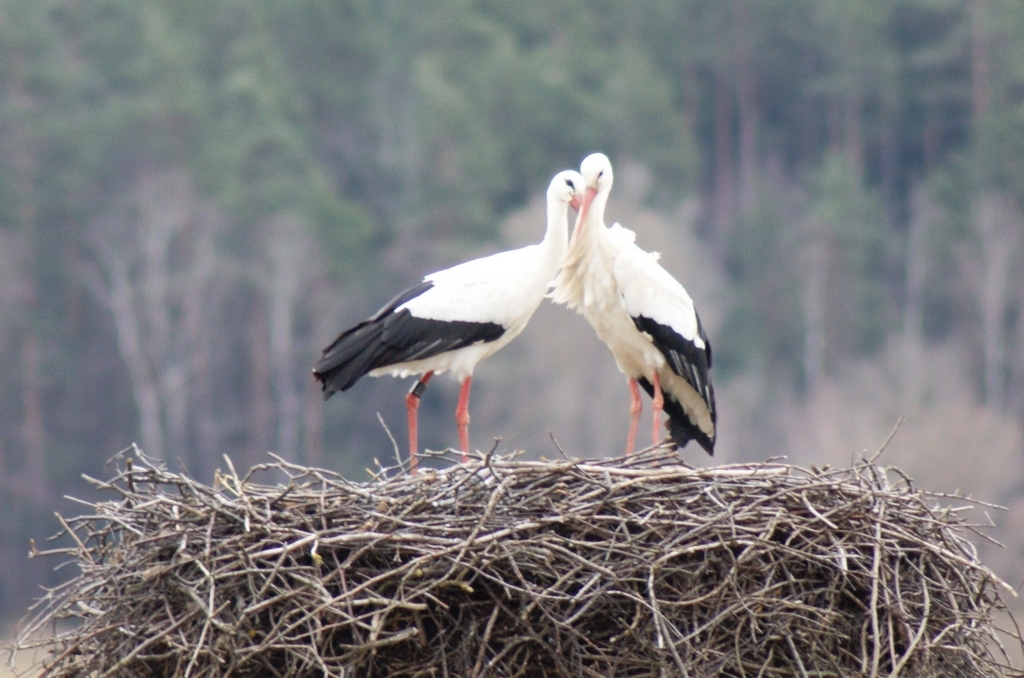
(501, 567)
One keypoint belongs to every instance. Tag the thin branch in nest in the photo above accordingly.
(888, 439)
(394, 443)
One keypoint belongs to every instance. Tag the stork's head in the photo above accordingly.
(568, 187)
(596, 169)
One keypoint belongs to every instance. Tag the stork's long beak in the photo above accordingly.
(588, 198)
(576, 202)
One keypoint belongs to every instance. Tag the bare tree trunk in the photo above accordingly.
(854, 133)
(145, 388)
(282, 351)
(746, 100)
(1015, 388)
(994, 219)
(816, 264)
(165, 203)
(835, 124)
(807, 142)
(725, 190)
(998, 226)
(923, 214)
(980, 70)
(400, 148)
(195, 337)
(291, 264)
(261, 400)
(930, 140)
(313, 424)
(324, 324)
(34, 429)
(691, 100)
(33, 424)
(888, 153)
(204, 414)
(199, 429)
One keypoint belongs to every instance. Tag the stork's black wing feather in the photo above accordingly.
(684, 357)
(389, 337)
(680, 428)
(691, 363)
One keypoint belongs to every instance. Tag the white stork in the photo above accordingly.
(642, 313)
(454, 318)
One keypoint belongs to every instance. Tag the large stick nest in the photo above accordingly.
(500, 567)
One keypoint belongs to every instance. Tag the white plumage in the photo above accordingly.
(642, 313)
(454, 318)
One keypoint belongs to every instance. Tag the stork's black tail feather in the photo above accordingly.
(351, 356)
(680, 428)
(359, 349)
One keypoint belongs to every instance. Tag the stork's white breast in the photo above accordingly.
(649, 290)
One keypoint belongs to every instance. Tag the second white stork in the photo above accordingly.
(454, 318)
(643, 314)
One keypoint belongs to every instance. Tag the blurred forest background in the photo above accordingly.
(197, 195)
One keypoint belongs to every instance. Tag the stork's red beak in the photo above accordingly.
(576, 202)
(588, 198)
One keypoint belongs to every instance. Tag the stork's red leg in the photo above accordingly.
(462, 417)
(657, 403)
(412, 406)
(635, 407)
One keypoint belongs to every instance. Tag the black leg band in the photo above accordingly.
(418, 388)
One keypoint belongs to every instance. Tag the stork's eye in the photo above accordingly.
(570, 184)
(600, 174)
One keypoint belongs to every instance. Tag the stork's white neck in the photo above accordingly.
(592, 229)
(556, 238)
